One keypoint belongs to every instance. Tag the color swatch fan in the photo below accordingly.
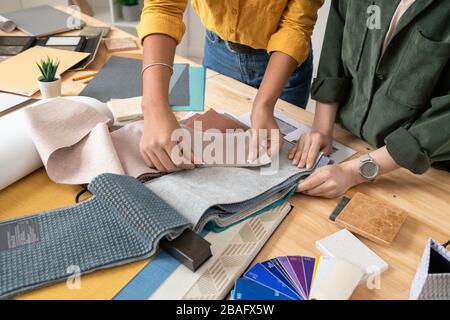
(298, 278)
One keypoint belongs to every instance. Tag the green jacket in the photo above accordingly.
(400, 99)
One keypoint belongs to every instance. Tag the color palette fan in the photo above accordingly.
(298, 278)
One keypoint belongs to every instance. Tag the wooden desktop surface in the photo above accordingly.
(425, 197)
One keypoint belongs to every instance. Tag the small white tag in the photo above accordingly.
(63, 41)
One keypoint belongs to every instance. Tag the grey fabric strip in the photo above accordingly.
(122, 222)
(75, 145)
(203, 193)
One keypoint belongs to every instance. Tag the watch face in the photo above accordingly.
(369, 170)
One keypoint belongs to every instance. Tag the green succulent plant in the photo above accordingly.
(127, 2)
(48, 69)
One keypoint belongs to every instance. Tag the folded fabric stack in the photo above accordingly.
(76, 146)
(221, 196)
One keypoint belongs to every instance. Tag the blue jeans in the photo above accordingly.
(250, 68)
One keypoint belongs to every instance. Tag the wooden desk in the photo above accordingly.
(426, 197)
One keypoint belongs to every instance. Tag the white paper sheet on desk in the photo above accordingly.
(8, 100)
(292, 130)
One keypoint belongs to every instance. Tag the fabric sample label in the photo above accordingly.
(18, 233)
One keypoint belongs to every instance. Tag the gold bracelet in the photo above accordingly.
(157, 64)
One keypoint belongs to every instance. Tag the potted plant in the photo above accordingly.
(130, 9)
(49, 82)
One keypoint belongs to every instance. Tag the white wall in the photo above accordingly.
(319, 32)
(11, 5)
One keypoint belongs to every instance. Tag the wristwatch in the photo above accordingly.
(368, 168)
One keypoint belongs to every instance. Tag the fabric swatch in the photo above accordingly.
(212, 193)
(75, 145)
(122, 222)
(179, 86)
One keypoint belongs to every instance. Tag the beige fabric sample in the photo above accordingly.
(72, 140)
(75, 145)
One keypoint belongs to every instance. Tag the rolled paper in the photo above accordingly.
(7, 26)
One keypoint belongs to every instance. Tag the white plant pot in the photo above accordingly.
(131, 13)
(50, 89)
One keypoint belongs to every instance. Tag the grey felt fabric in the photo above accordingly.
(123, 221)
(128, 70)
(179, 86)
(204, 194)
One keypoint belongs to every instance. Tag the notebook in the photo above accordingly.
(42, 20)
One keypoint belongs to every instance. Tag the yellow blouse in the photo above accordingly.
(273, 25)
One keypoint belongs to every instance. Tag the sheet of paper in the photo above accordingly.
(19, 74)
(8, 101)
(63, 41)
(292, 130)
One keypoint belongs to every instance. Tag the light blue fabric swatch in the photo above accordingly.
(151, 277)
(197, 77)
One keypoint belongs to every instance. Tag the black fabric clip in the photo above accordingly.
(445, 245)
(79, 194)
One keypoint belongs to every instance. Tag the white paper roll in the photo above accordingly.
(18, 156)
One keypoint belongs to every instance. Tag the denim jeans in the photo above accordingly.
(250, 68)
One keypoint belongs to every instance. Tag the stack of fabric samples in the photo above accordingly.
(298, 278)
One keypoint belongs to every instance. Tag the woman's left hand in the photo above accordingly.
(331, 181)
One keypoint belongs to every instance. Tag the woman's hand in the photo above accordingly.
(319, 139)
(156, 144)
(266, 133)
(305, 152)
(332, 181)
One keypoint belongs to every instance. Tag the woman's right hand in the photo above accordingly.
(156, 144)
(305, 152)
(320, 138)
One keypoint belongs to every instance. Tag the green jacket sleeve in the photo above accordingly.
(426, 140)
(331, 84)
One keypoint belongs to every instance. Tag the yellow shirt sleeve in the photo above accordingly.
(295, 29)
(162, 16)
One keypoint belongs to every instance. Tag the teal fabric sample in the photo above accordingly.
(211, 225)
(179, 85)
(122, 222)
(197, 78)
